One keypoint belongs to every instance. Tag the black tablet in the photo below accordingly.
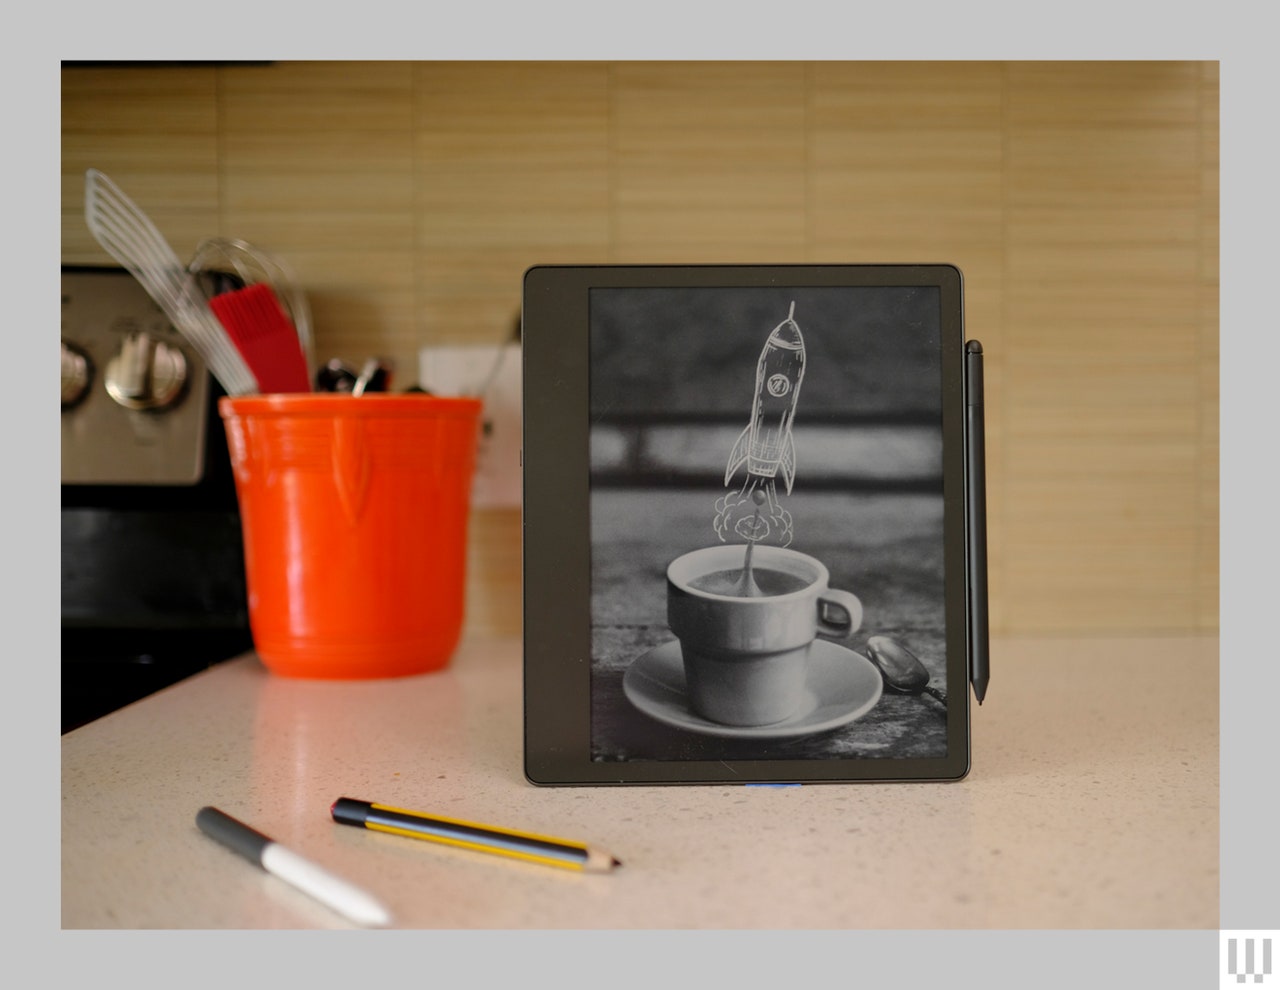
(745, 524)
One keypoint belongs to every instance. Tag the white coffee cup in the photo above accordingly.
(746, 658)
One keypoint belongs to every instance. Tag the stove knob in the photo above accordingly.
(146, 374)
(77, 373)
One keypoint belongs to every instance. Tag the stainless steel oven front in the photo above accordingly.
(153, 585)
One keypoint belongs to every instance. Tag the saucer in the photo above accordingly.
(841, 686)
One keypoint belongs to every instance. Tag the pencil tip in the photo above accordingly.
(616, 862)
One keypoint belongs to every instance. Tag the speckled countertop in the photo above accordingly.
(1092, 803)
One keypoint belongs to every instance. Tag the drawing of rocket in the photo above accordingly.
(766, 446)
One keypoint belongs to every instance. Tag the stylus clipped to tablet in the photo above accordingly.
(976, 519)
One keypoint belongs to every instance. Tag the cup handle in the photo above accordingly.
(841, 601)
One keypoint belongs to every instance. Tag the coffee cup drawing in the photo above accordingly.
(746, 657)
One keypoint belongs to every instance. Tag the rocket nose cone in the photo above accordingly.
(787, 334)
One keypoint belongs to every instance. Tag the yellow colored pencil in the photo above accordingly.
(525, 846)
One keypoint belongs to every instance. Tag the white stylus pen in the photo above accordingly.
(333, 892)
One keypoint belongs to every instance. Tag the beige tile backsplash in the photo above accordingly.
(1080, 200)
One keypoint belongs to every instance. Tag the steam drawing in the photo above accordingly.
(765, 447)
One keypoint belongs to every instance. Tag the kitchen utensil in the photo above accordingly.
(335, 376)
(373, 377)
(252, 265)
(264, 336)
(130, 237)
(747, 587)
(902, 670)
(365, 376)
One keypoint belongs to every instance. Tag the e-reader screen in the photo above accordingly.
(745, 541)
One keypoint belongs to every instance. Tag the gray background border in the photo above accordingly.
(1232, 31)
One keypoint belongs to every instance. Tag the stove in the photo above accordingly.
(153, 586)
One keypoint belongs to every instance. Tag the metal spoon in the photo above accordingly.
(747, 587)
(901, 669)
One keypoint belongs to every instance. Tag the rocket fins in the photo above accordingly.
(738, 456)
(787, 462)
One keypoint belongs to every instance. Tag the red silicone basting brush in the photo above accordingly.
(265, 337)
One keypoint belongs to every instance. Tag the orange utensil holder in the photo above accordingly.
(354, 511)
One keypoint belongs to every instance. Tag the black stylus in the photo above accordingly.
(976, 520)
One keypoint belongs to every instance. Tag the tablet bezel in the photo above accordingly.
(557, 541)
